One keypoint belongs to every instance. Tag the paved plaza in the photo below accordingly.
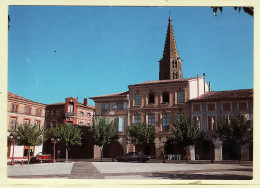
(119, 170)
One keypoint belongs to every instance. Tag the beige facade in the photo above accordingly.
(115, 107)
(163, 102)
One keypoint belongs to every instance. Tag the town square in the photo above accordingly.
(135, 93)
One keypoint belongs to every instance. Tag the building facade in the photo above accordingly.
(215, 106)
(23, 111)
(75, 113)
(115, 107)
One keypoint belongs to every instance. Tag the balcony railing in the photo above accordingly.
(69, 115)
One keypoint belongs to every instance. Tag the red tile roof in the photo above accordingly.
(121, 94)
(163, 81)
(14, 96)
(225, 95)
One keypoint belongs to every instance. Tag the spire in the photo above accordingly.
(170, 64)
(170, 49)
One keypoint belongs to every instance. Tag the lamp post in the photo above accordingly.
(54, 141)
(13, 138)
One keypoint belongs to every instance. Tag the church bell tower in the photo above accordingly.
(170, 64)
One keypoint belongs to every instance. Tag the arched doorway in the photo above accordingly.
(112, 150)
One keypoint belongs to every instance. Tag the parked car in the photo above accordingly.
(41, 157)
(133, 156)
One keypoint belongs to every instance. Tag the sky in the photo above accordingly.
(55, 52)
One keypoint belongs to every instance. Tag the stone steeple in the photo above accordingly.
(170, 64)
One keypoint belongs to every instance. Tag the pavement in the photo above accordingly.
(79, 169)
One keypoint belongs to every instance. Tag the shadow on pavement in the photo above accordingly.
(199, 176)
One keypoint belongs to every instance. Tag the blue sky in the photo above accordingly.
(56, 52)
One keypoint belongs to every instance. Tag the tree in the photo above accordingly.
(141, 134)
(248, 10)
(103, 132)
(186, 133)
(30, 135)
(69, 135)
(238, 130)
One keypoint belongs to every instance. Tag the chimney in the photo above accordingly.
(86, 101)
(204, 75)
(198, 85)
(209, 85)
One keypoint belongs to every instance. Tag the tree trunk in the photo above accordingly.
(187, 149)
(101, 153)
(239, 153)
(67, 157)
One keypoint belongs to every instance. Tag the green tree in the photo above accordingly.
(238, 130)
(69, 135)
(103, 132)
(30, 135)
(141, 134)
(248, 10)
(186, 133)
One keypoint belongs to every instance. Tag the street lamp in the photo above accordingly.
(13, 138)
(54, 141)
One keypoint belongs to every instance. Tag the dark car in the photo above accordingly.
(41, 157)
(133, 156)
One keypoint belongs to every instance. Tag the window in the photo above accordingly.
(196, 107)
(226, 118)
(226, 106)
(165, 122)
(81, 113)
(137, 99)
(180, 97)
(80, 123)
(137, 118)
(211, 123)
(179, 117)
(151, 119)
(211, 107)
(70, 123)
(165, 97)
(13, 122)
(88, 114)
(246, 116)
(124, 105)
(151, 98)
(14, 108)
(119, 124)
(120, 106)
(196, 119)
(53, 124)
(105, 106)
(28, 110)
(38, 112)
(27, 121)
(71, 107)
(38, 123)
(114, 106)
(242, 106)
